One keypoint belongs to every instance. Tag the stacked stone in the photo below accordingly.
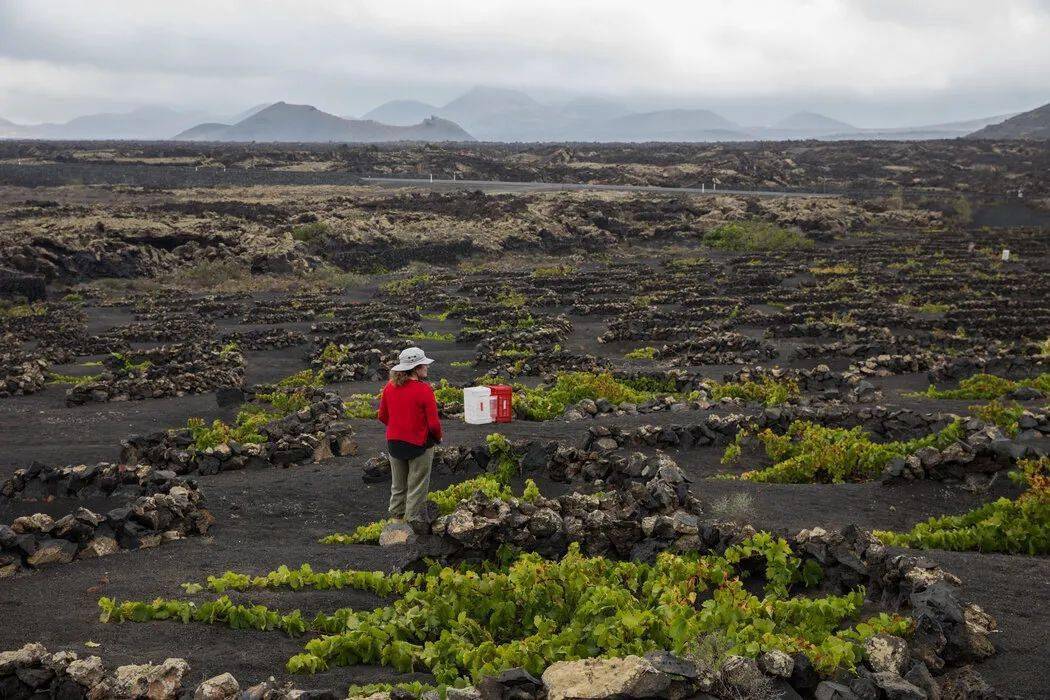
(819, 380)
(316, 432)
(545, 332)
(824, 329)
(174, 370)
(265, 339)
(658, 324)
(1010, 366)
(886, 365)
(719, 349)
(21, 375)
(360, 321)
(949, 632)
(161, 508)
(589, 408)
(545, 362)
(33, 672)
(369, 361)
(984, 450)
(162, 326)
(612, 523)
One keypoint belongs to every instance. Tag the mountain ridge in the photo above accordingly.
(282, 121)
(1031, 125)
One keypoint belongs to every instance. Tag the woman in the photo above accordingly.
(408, 409)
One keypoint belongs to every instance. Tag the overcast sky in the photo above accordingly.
(870, 62)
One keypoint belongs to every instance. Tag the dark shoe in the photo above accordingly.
(420, 527)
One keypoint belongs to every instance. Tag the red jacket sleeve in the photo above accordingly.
(431, 411)
(384, 411)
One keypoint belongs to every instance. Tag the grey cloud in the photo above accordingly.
(871, 61)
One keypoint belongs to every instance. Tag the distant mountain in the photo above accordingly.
(249, 112)
(810, 121)
(670, 125)
(8, 129)
(401, 112)
(209, 131)
(145, 123)
(304, 123)
(482, 103)
(590, 108)
(1033, 125)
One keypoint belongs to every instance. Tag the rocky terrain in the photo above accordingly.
(763, 447)
(944, 170)
(1033, 125)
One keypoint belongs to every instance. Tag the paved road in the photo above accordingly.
(512, 186)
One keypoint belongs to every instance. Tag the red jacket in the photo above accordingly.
(410, 413)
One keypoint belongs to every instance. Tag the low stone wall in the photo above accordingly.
(828, 385)
(949, 632)
(21, 375)
(1006, 365)
(173, 370)
(159, 507)
(265, 339)
(317, 432)
(615, 523)
(984, 449)
(719, 349)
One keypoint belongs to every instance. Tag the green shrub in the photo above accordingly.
(464, 625)
(307, 378)
(1019, 526)
(511, 299)
(333, 277)
(365, 534)
(448, 397)
(646, 353)
(812, 453)
(56, 378)
(334, 354)
(767, 391)
(250, 420)
(1004, 415)
(128, 366)
(9, 310)
(755, 235)
(407, 285)
(988, 386)
(359, 406)
(547, 403)
(309, 233)
(244, 431)
(553, 272)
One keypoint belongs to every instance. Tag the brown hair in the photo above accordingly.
(399, 378)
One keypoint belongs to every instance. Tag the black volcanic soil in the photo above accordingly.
(270, 517)
(275, 516)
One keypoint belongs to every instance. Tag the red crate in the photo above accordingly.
(502, 393)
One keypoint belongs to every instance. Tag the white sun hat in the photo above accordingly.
(410, 358)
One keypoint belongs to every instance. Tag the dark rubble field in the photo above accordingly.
(648, 338)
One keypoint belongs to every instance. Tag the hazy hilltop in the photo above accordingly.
(670, 125)
(1033, 125)
(145, 123)
(401, 112)
(811, 121)
(500, 114)
(305, 123)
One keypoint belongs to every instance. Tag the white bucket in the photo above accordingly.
(477, 405)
